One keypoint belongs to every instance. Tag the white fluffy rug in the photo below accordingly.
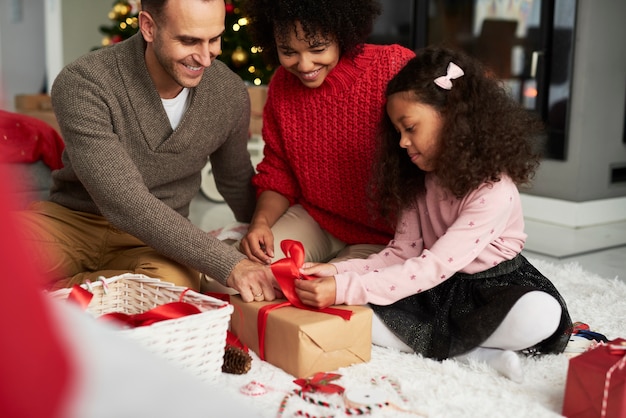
(449, 388)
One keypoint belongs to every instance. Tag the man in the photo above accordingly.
(139, 120)
(80, 367)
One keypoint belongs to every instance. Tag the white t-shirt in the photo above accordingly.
(176, 107)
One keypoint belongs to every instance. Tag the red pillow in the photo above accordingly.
(25, 139)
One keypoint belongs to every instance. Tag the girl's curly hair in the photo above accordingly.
(485, 132)
(349, 22)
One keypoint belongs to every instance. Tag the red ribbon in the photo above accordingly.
(80, 296)
(320, 382)
(170, 310)
(287, 271)
(617, 350)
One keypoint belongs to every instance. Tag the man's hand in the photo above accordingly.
(253, 281)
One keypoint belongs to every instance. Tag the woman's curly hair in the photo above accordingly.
(485, 132)
(349, 22)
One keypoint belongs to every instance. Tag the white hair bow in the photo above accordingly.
(453, 72)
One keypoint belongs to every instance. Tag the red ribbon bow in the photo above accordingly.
(287, 271)
(320, 382)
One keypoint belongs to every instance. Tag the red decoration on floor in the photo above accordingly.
(34, 363)
(596, 382)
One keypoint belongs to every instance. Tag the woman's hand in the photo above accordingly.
(319, 293)
(258, 243)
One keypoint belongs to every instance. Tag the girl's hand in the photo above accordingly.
(258, 244)
(319, 293)
(318, 269)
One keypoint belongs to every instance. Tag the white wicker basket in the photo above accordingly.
(195, 342)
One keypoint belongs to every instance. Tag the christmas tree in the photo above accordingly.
(237, 50)
(124, 17)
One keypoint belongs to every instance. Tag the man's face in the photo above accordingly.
(184, 41)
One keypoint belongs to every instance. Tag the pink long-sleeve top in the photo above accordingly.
(441, 236)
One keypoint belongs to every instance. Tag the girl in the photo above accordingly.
(325, 102)
(452, 282)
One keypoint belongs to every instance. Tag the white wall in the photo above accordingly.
(22, 53)
(53, 47)
(49, 35)
(72, 29)
(76, 25)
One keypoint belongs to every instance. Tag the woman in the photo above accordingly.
(320, 122)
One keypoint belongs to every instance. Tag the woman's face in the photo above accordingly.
(419, 126)
(311, 60)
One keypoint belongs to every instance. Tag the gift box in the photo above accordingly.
(596, 382)
(303, 342)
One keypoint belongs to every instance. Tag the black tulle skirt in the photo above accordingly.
(463, 311)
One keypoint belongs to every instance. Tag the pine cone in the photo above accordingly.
(236, 360)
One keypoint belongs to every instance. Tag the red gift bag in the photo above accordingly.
(596, 382)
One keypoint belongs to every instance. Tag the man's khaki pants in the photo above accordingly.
(70, 247)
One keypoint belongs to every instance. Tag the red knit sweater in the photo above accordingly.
(320, 143)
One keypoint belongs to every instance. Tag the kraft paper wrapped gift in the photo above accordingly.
(303, 342)
(596, 382)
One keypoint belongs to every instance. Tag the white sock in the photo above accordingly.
(505, 362)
